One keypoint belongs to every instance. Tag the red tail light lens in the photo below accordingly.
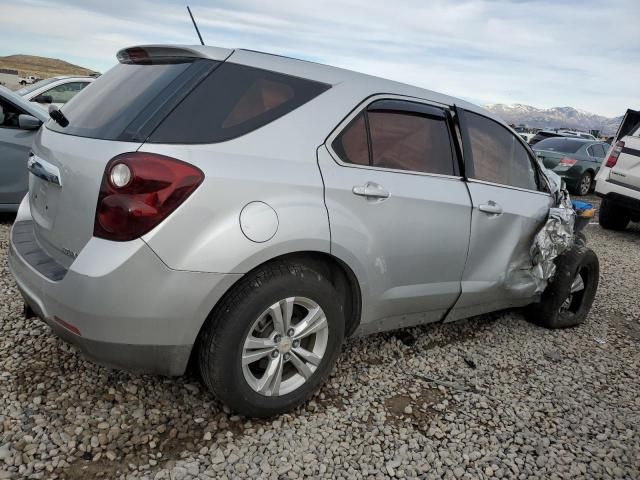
(139, 190)
(614, 154)
(567, 162)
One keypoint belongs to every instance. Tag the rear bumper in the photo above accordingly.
(122, 306)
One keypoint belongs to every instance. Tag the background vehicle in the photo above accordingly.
(619, 178)
(542, 134)
(287, 205)
(27, 80)
(55, 90)
(575, 133)
(574, 159)
(19, 121)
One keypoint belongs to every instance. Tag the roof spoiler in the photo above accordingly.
(146, 54)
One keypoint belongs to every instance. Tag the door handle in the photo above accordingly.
(491, 208)
(370, 190)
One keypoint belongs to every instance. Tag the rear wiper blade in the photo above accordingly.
(58, 116)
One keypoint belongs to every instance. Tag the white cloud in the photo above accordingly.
(544, 53)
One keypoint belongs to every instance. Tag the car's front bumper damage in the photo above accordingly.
(555, 237)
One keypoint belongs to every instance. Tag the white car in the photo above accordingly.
(618, 181)
(55, 90)
(27, 80)
(575, 133)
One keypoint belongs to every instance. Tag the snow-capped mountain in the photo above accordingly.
(557, 117)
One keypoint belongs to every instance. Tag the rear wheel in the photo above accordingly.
(272, 341)
(584, 184)
(613, 217)
(568, 298)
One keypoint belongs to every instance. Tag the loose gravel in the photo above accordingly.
(489, 397)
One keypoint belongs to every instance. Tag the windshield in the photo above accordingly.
(30, 88)
(559, 144)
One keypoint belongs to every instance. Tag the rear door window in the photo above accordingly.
(498, 155)
(398, 139)
(233, 101)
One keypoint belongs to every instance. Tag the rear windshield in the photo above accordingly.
(558, 144)
(108, 106)
(186, 101)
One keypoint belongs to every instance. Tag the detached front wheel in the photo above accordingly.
(567, 299)
(273, 340)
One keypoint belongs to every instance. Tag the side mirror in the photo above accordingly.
(27, 122)
(43, 99)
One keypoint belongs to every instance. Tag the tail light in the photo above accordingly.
(567, 162)
(614, 154)
(138, 191)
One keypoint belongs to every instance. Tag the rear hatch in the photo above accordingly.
(115, 114)
(626, 171)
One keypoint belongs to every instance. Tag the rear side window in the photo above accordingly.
(397, 140)
(65, 92)
(598, 150)
(232, 101)
(498, 156)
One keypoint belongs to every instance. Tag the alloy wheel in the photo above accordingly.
(585, 184)
(284, 346)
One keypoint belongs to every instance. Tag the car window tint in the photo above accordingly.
(413, 142)
(232, 101)
(65, 92)
(9, 114)
(351, 145)
(262, 96)
(498, 156)
(560, 144)
(599, 150)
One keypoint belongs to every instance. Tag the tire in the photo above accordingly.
(612, 217)
(242, 312)
(585, 184)
(559, 307)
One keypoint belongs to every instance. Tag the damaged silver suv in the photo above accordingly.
(249, 212)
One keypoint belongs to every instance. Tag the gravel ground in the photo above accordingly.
(512, 400)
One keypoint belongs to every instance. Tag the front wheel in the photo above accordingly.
(567, 299)
(273, 340)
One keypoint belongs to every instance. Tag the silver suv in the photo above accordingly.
(250, 211)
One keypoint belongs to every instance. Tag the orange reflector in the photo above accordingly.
(67, 326)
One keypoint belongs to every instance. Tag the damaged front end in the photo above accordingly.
(556, 236)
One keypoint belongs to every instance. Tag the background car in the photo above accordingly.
(55, 90)
(575, 159)
(19, 121)
(619, 178)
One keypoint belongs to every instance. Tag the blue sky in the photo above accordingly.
(585, 54)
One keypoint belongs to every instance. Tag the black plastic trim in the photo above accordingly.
(24, 241)
(405, 106)
(631, 151)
